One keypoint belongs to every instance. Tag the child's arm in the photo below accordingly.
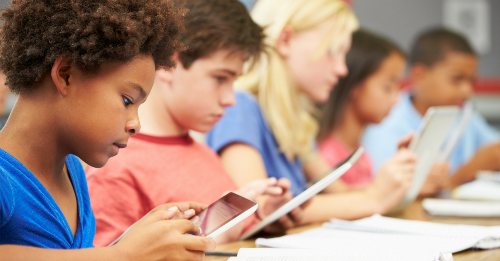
(389, 187)
(245, 165)
(155, 237)
(393, 180)
(486, 158)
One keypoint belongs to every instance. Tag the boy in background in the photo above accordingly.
(163, 163)
(443, 70)
(81, 69)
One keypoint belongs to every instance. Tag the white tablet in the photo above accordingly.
(426, 144)
(224, 214)
(315, 188)
(455, 135)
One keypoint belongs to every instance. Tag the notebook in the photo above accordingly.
(461, 208)
(378, 234)
(283, 254)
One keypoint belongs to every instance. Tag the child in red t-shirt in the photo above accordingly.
(163, 163)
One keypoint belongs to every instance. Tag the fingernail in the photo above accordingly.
(173, 209)
(189, 212)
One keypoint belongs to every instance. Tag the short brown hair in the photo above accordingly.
(36, 32)
(211, 25)
(432, 45)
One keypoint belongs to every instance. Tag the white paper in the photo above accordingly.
(488, 175)
(385, 238)
(478, 190)
(281, 254)
(448, 238)
(376, 246)
(461, 208)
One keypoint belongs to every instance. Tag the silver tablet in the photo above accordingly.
(223, 214)
(315, 188)
(426, 144)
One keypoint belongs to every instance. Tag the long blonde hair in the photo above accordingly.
(287, 112)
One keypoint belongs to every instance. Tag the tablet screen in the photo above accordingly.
(221, 212)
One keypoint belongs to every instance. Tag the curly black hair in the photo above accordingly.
(36, 32)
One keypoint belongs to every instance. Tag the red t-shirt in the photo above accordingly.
(333, 151)
(152, 171)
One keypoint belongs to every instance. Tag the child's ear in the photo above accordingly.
(165, 75)
(355, 92)
(284, 40)
(61, 72)
(418, 72)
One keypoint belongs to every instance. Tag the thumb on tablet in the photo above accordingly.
(187, 227)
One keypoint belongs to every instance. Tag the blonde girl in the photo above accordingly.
(270, 132)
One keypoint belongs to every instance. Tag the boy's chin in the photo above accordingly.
(203, 128)
(96, 162)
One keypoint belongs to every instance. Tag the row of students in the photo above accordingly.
(270, 132)
(85, 102)
(64, 100)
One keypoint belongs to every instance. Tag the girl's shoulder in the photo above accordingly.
(246, 98)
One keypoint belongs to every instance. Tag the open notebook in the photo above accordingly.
(281, 254)
(379, 235)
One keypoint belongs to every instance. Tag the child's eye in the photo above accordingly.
(220, 78)
(127, 101)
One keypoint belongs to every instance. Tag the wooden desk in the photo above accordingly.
(413, 212)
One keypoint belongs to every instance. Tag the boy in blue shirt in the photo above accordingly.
(443, 69)
(81, 69)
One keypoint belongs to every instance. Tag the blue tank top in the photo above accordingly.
(29, 215)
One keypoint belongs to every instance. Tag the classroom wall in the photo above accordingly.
(403, 19)
(4, 3)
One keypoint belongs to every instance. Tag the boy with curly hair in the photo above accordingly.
(81, 69)
(220, 36)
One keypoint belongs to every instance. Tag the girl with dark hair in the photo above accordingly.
(364, 96)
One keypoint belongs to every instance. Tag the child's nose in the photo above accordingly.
(467, 89)
(227, 98)
(341, 69)
(133, 126)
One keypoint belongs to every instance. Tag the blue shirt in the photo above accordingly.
(381, 139)
(244, 123)
(29, 215)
